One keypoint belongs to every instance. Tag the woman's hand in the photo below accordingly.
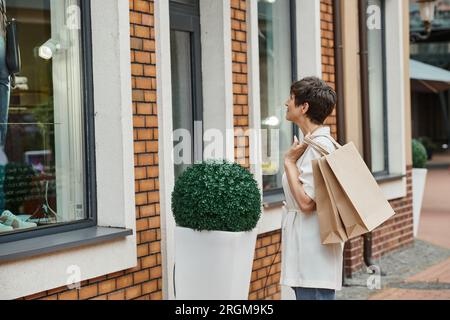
(295, 152)
(305, 203)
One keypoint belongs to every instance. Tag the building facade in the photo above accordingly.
(156, 67)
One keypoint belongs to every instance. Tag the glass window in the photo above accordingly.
(42, 145)
(377, 90)
(183, 121)
(186, 85)
(276, 78)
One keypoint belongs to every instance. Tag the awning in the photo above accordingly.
(428, 78)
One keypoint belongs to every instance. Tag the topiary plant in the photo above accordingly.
(420, 156)
(217, 196)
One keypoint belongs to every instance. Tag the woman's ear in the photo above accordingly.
(305, 108)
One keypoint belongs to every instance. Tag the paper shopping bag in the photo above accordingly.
(360, 187)
(351, 221)
(331, 228)
(361, 204)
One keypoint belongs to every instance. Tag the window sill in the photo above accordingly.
(56, 242)
(390, 177)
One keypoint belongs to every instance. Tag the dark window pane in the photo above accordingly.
(182, 91)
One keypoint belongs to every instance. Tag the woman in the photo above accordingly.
(313, 270)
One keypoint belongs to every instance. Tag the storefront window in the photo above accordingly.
(276, 78)
(42, 146)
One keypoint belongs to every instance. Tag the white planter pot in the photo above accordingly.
(419, 179)
(213, 265)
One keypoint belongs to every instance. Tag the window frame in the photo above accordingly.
(90, 181)
(276, 196)
(364, 60)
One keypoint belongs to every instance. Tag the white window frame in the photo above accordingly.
(115, 169)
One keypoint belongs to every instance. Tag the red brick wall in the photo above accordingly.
(145, 281)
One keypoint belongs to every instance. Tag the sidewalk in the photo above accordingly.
(401, 267)
(435, 218)
(433, 283)
(421, 272)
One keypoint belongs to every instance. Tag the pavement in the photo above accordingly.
(431, 284)
(434, 224)
(419, 272)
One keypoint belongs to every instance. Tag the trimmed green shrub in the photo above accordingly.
(217, 196)
(420, 156)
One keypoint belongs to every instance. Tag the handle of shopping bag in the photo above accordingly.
(318, 146)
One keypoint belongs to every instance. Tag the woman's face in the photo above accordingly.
(293, 113)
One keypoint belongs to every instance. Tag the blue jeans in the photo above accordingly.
(4, 92)
(314, 294)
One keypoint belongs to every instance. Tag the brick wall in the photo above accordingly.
(267, 268)
(144, 281)
(240, 80)
(328, 60)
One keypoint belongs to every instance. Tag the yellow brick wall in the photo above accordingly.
(240, 79)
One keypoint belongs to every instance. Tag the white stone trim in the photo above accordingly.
(254, 96)
(166, 164)
(309, 38)
(115, 166)
(217, 66)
